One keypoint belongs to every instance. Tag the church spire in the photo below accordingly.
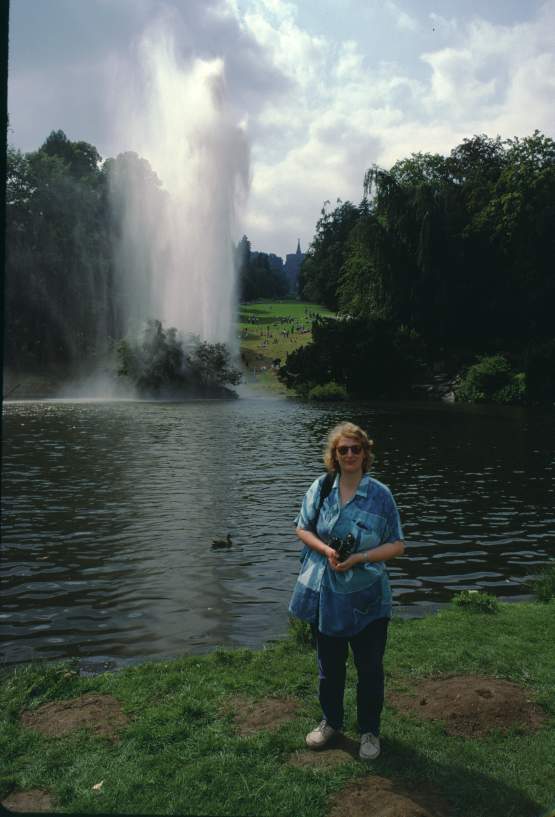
(299, 246)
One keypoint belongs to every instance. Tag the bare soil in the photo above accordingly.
(323, 759)
(30, 801)
(375, 796)
(471, 705)
(102, 714)
(267, 714)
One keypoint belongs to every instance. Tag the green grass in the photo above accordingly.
(262, 341)
(543, 585)
(180, 752)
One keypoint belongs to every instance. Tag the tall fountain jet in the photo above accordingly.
(176, 227)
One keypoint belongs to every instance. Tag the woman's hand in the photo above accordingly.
(352, 561)
(332, 558)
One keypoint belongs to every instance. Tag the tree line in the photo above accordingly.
(452, 252)
(67, 304)
(257, 277)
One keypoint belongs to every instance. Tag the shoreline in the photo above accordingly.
(115, 663)
(264, 385)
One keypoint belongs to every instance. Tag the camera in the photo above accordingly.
(343, 547)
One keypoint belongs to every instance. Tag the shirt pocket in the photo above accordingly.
(368, 529)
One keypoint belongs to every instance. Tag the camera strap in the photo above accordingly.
(325, 490)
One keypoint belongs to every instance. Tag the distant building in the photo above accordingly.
(292, 267)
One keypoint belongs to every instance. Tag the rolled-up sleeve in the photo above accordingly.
(393, 532)
(306, 515)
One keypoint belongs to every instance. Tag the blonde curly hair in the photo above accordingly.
(354, 432)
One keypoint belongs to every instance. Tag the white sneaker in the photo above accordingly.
(369, 746)
(321, 735)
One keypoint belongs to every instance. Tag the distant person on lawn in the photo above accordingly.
(347, 599)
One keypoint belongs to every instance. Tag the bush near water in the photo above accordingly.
(160, 363)
(328, 392)
(492, 380)
(543, 585)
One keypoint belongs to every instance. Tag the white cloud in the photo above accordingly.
(403, 20)
(490, 70)
(454, 79)
(442, 25)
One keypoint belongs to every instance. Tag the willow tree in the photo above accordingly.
(320, 270)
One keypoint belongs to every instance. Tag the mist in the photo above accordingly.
(176, 227)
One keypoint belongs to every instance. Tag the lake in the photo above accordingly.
(109, 510)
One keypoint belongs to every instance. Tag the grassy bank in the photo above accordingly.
(183, 751)
(268, 330)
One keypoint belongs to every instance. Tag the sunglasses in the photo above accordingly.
(344, 449)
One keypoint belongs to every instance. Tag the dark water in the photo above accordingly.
(109, 510)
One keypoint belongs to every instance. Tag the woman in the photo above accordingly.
(347, 599)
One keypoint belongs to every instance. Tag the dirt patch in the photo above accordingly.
(29, 801)
(267, 714)
(471, 705)
(324, 759)
(102, 714)
(379, 797)
(340, 750)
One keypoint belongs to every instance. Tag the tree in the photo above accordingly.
(369, 358)
(81, 158)
(211, 365)
(362, 287)
(257, 278)
(57, 249)
(518, 223)
(320, 270)
(458, 248)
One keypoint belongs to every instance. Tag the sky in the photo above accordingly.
(323, 89)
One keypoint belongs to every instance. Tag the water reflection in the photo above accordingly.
(109, 510)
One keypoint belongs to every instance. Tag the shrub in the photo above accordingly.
(492, 380)
(539, 365)
(513, 392)
(476, 602)
(543, 585)
(328, 391)
(161, 361)
(301, 633)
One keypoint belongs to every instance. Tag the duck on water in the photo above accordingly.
(222, 543)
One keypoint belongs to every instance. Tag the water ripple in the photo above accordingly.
(109, 510)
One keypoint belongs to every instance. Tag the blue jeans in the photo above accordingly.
(368, 648)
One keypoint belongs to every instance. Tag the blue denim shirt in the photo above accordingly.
(342, 604)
